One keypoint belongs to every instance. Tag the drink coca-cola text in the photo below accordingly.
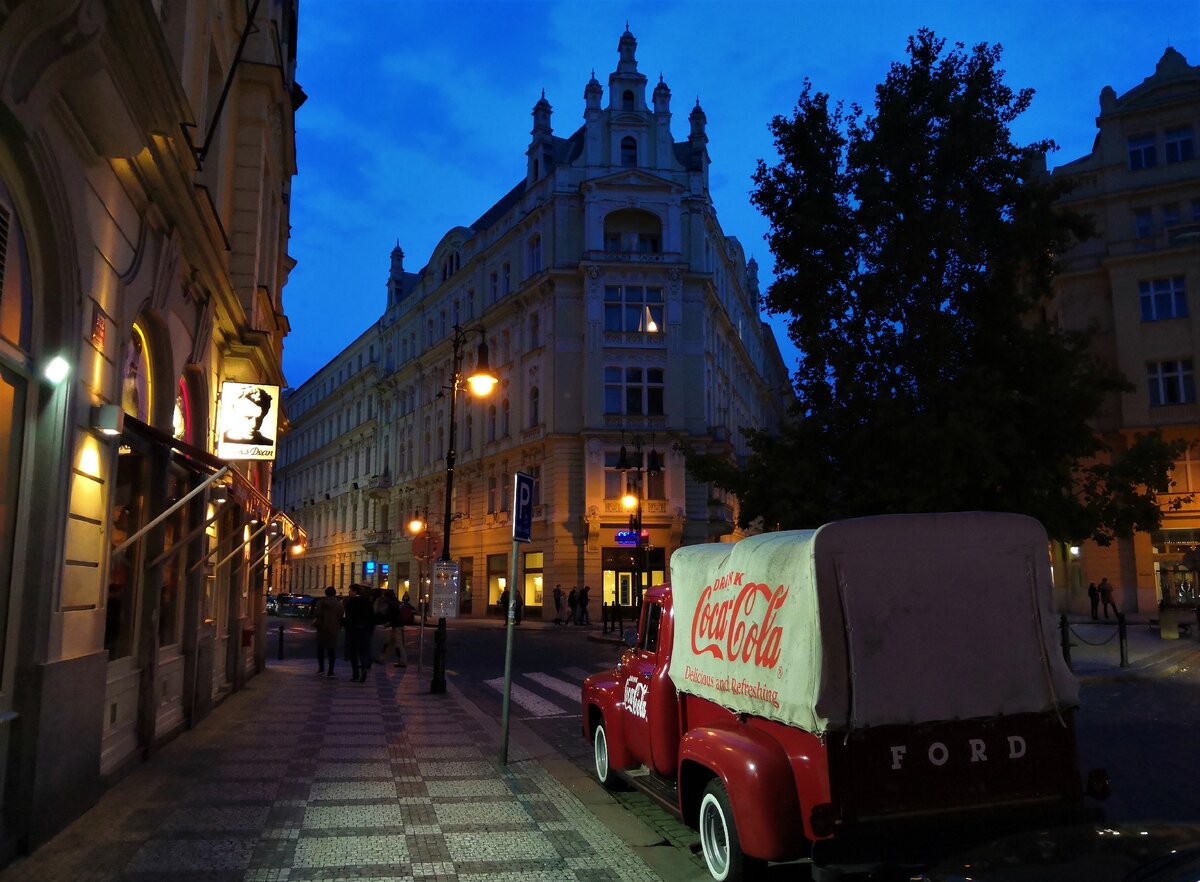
(740, 628)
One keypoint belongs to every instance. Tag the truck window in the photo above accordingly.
(650, 637)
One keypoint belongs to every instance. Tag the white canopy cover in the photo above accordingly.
(874, 621)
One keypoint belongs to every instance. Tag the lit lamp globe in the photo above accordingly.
(484, 379)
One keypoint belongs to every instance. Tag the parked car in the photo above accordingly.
(299, 606)
(272, 605)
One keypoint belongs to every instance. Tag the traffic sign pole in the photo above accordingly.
(522, 509)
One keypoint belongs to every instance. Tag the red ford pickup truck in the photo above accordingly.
(847, 693)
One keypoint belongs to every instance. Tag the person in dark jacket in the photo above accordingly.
(327, 619)
(360, 628)
(387, 614)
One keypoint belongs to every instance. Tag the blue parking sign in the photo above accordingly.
(522, 507)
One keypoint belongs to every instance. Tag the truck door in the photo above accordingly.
(639, 674)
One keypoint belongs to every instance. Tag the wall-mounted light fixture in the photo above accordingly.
(108, 419)
(56, 370)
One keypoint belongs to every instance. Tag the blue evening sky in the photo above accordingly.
(418, 113)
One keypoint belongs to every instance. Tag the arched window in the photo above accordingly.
(491, 426)
(627, 100)
(504, 418)
(534, 402)
(468, 430)
(629, 152)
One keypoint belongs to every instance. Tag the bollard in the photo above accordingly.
(438, 685)
(604, 616)
(1065, 631)
(281, 642)
(1123, 640)
(620, 620)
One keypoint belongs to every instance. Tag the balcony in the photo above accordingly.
(378, 485)
(377, 540)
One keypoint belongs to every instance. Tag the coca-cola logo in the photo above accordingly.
(635, 696)
(739, 627)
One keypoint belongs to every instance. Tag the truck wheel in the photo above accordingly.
(718, 838)
(605, 774)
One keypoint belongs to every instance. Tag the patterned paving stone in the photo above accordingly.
(506, 846)
(193, 854)
(291, 783)
(343, 851)
(354, 816)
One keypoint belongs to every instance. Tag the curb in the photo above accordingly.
(1163, 664)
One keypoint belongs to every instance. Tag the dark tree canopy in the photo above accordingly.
(913, 249)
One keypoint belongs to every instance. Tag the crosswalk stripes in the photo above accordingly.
(570, 690)
(566, 692)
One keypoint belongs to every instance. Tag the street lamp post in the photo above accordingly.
(633, 502)
(481, 382)
(420, 552)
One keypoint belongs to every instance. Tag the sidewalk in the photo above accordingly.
(301, 777)
(1096, 654)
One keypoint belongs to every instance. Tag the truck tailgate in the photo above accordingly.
(894, 771)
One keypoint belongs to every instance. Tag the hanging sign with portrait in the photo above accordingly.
(249, 417)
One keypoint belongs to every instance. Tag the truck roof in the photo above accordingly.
(895, 619)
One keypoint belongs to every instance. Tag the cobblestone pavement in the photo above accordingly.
(303, 777)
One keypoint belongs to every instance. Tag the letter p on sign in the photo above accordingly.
(522, 507)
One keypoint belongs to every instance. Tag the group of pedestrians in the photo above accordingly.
(577, 606)
(363, 611)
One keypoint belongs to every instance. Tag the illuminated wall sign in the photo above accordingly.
(246, 428)
(630, 537)
(369, 568)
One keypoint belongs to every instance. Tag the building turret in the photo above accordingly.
(698, 122)
(627, 87)
(592, 115)
(665, 145)
(540, 155)
(698, 144)
(395, 283)
(662, 97)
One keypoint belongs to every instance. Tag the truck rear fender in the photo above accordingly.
(758, 777)
(601, 703)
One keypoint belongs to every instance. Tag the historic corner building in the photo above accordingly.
(1138, 284)
(616, 313)
(146, 155)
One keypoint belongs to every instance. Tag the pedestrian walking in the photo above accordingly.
(573, 606)
(327, 619)
(584, 619)
(558, 602)
(1106, 597)
(406, 614)
(387, 616)
(518, 607)
(359, 620)
(504, 604)
(1094, 599)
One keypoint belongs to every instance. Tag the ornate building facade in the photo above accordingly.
(617, 315)
(146, 157)
(1137, 283)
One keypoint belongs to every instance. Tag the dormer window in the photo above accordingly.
(629, 152)
(627, 100)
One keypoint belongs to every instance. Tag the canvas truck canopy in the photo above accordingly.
(874, 621)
